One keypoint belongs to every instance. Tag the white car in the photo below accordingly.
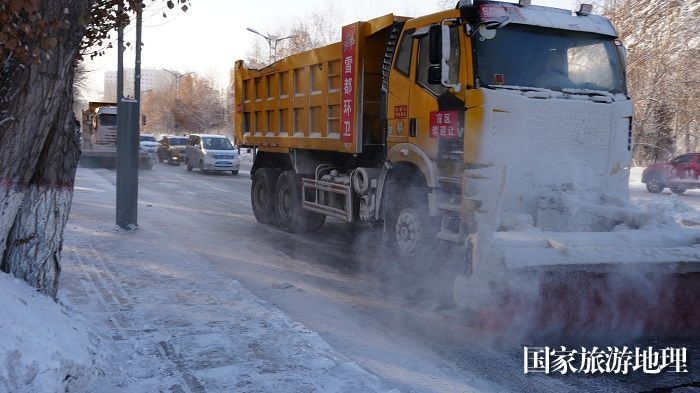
(211, 153)
(148, 144)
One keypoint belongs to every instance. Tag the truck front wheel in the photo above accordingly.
(408, 231)
(409, 227)
(288, 206)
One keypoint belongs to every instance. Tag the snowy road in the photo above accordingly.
(327, 282)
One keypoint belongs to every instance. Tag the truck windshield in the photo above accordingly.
(531, 56)
(217, 144)
(108, 120)
(147, 138)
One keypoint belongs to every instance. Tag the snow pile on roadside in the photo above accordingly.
(41, 349)
(673, 206)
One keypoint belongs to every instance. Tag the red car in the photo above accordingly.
(679, 175)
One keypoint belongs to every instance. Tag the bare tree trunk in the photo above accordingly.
(40, 151)
(33, 250)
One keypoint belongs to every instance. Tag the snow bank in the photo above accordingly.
(673, 206)
(41, 349)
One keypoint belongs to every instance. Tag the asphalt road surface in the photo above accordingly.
(402, 328)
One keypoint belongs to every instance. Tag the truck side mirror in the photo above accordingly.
(434, 74)
(622, 53)
(435, 44)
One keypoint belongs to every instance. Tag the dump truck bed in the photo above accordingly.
(328, 98)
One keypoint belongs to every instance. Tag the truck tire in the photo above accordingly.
(189, 166)
(409, 231)
(234, 173)
(655, 185)
(291, 216)
(261, 195)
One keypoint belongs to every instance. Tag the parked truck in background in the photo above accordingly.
(99, 137)
(501, 128)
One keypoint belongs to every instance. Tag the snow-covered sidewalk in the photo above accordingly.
(161, 322)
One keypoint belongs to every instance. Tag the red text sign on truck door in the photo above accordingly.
(444, 124)
(349, 83)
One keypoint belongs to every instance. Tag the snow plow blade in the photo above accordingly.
(621, 284)
(598, 251)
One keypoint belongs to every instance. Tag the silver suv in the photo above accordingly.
(211, 153)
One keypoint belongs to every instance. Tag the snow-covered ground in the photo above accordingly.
(140, 311)
(43, 348)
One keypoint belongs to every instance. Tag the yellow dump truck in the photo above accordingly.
(503, 128)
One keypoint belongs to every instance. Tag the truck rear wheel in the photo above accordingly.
(291, 216)
(261, 195)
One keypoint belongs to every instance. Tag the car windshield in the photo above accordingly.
(147, 138)
(530, 56)
(217, 144)
(178, 141)
(108, 120)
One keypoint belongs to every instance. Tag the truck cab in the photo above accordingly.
(478, 94)
(104, 126)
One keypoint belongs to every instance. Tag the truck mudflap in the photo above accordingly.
(622, 284)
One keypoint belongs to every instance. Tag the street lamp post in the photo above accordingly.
(272, 41)
(177, 77)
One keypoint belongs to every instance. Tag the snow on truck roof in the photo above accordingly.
(555, 18)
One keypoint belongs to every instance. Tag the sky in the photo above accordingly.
(212, 35)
